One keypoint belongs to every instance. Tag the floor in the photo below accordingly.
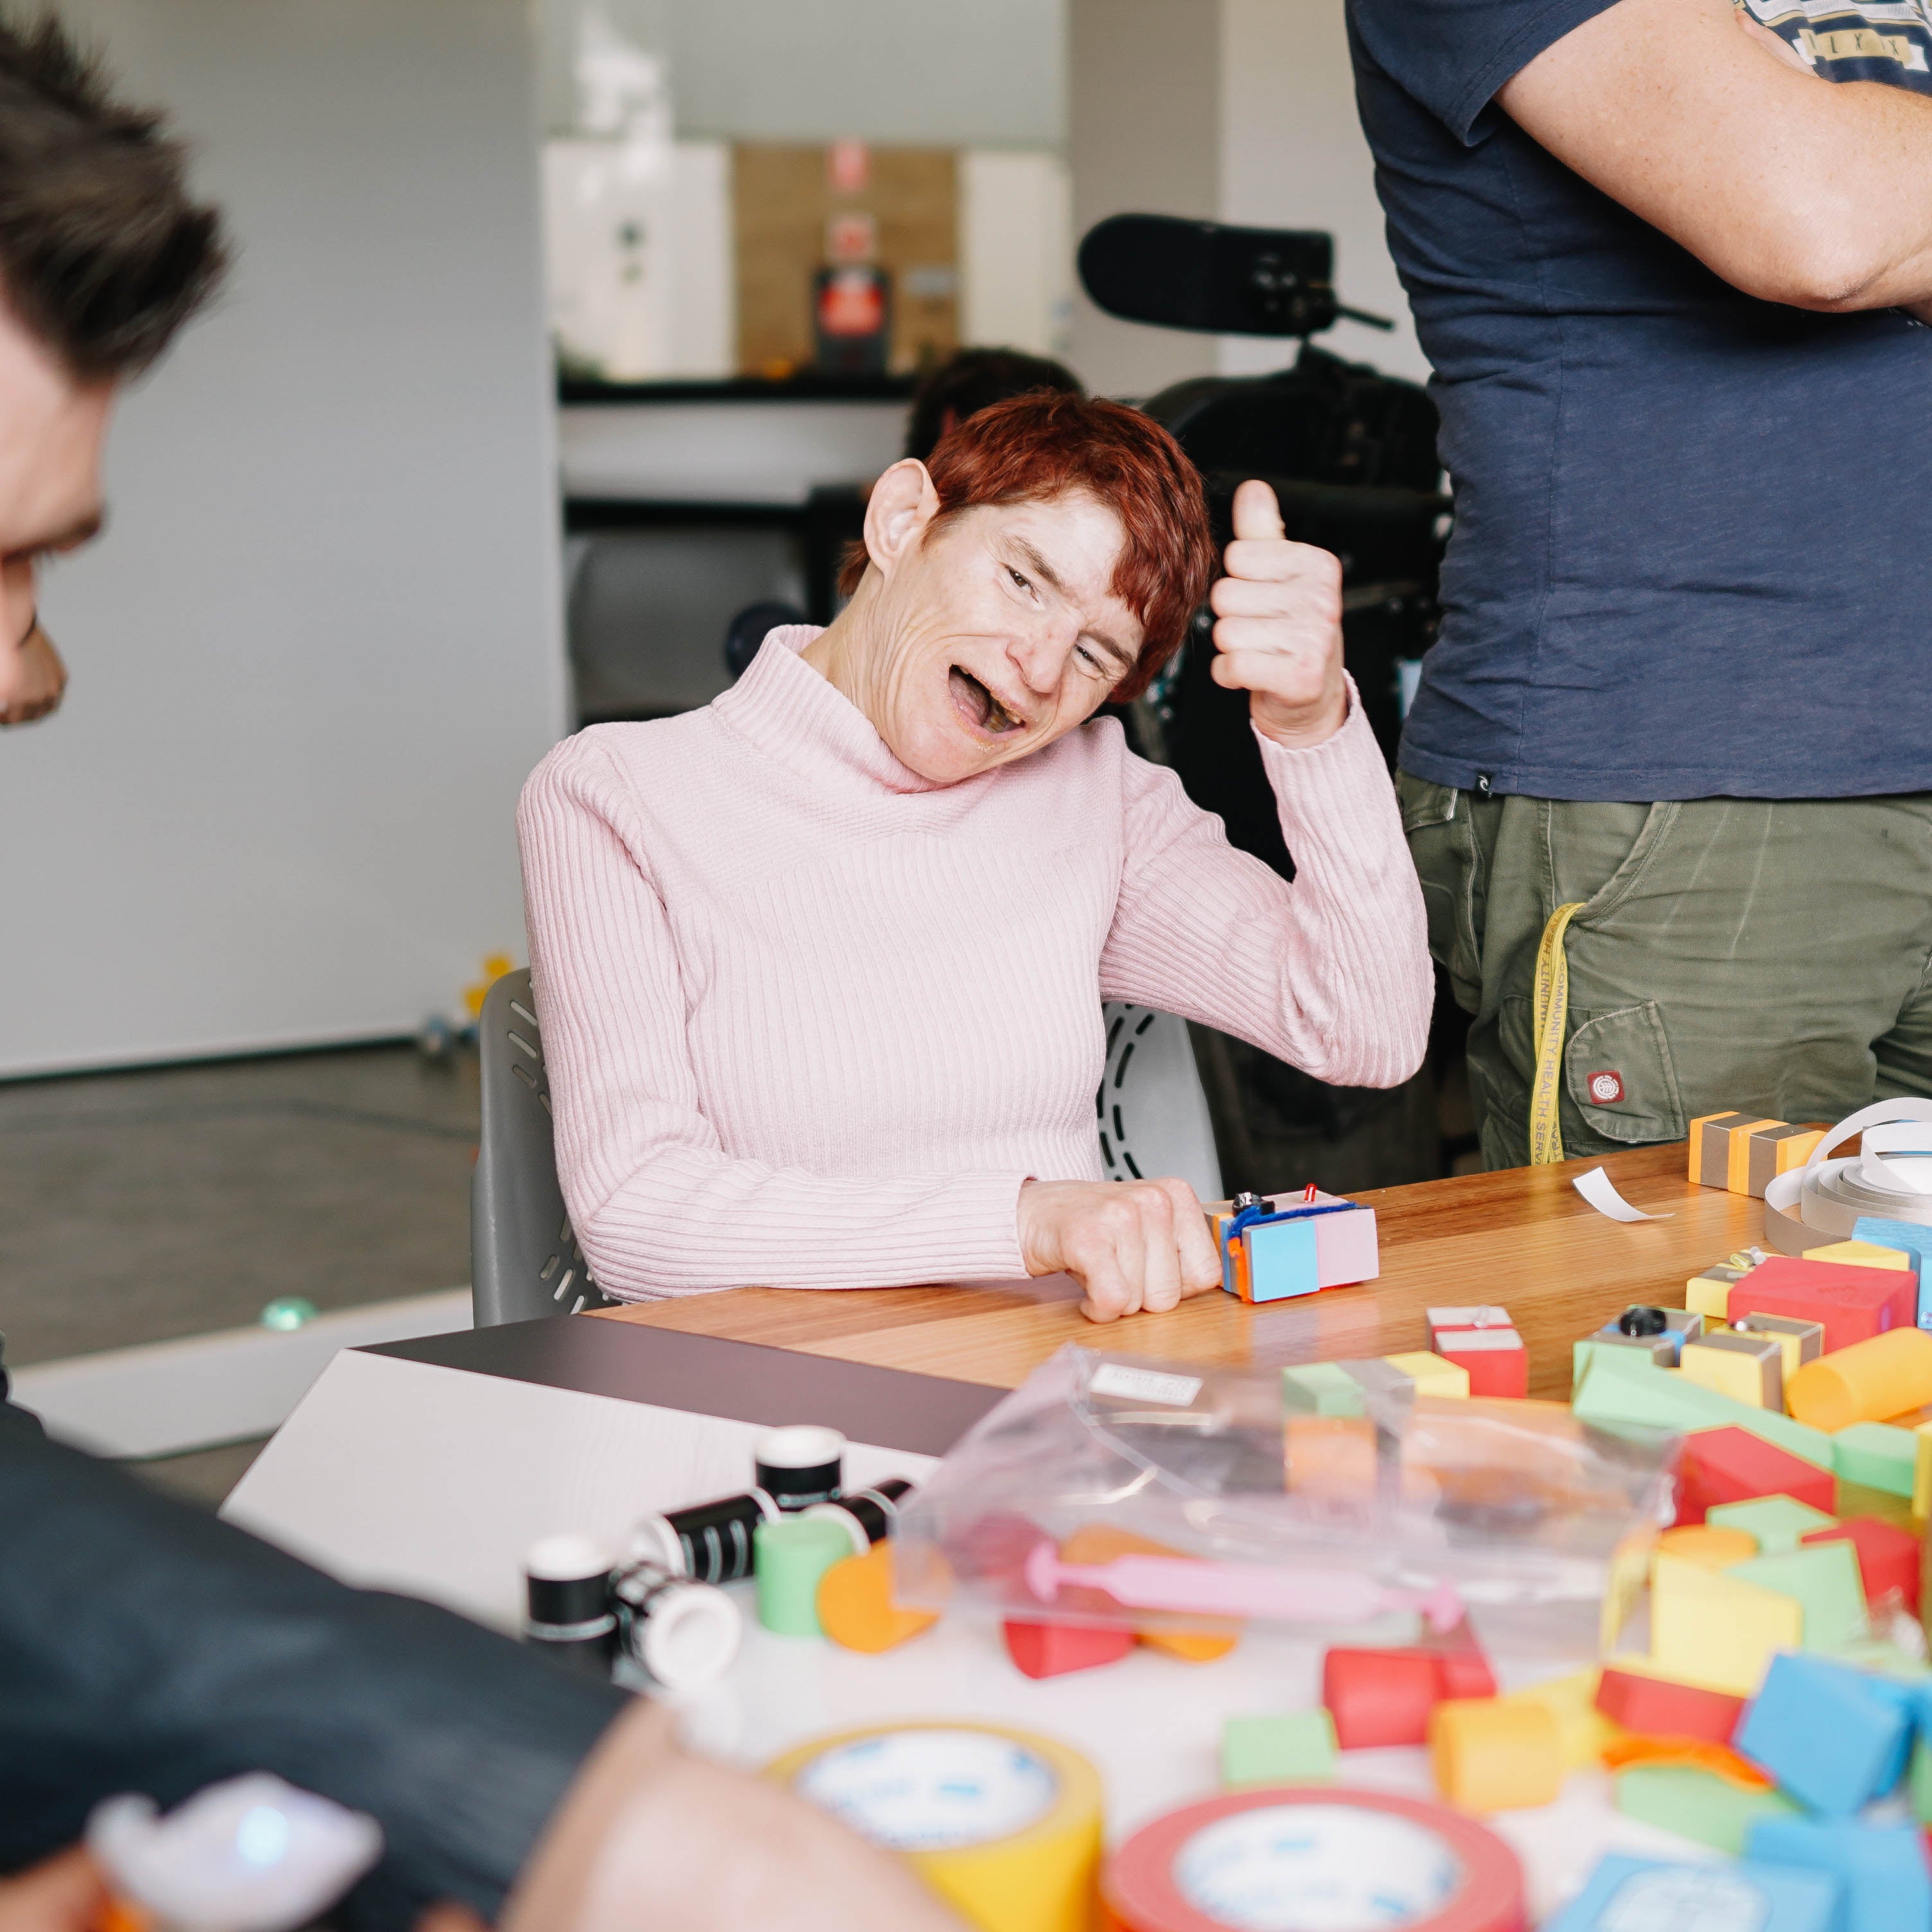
(138, 1206)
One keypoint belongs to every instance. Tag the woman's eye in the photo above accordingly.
(1017, 578)
(1087, 658)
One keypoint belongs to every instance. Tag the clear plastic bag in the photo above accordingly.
(1111, 1490)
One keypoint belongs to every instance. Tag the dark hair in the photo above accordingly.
(970, 380)
(102, 255)
(1031, 448)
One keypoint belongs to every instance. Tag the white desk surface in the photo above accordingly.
(434, 1480)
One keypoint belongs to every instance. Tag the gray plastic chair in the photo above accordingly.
(524, 1261)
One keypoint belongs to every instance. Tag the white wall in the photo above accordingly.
(1293, 156)
(929, 72)
(318, 648)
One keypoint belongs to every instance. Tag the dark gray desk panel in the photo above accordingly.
(891, 1409)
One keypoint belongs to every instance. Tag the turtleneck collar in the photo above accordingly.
(788, 711)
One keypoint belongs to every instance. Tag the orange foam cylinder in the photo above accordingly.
(1868, 1382)
(1707, 1543)
(855, 1603)
(1492, 1754)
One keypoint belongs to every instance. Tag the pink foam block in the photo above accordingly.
(1345, 1244)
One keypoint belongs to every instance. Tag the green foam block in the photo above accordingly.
(1876, 1454)
(1824, 1577)
(1698, 1804)
(1298, 1749)
(1321, 1388)
(1920, 1782)
(1585, 1355)
(1778, 1522)
(1653, 1398)
(788, 1557)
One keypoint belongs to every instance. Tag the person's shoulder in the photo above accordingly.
(603, 762)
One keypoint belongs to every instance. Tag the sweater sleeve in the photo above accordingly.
(1331, 973)
(659, 1205)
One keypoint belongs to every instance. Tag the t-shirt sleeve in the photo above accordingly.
(1452, 55)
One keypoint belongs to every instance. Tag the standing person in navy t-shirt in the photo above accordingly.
(1668, 260)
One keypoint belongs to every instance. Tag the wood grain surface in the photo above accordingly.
(1522, 1237)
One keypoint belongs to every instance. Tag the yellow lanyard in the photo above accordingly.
(1549, 1011)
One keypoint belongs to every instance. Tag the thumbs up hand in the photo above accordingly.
(1278, 628)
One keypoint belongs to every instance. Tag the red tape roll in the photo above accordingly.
(1230, 1863)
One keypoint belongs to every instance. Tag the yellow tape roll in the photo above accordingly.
(1004, 1825)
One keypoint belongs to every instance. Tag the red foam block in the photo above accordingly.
(1493, 1371)
(1656, 1709)
(1731, 1465)
(1051, 1650)
(1854, 1303)
(1888, 1556)
(1381, 1696)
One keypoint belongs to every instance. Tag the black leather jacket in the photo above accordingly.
(146, 1646)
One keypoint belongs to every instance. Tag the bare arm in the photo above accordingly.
(1794, 190)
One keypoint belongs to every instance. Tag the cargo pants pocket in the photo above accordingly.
(1440, 826)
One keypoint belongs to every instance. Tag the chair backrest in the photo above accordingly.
(1153, 1117)
(524, 1261)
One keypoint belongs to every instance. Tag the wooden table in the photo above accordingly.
(1523, 1238)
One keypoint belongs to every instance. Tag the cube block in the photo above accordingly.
(1912, 1238)
(1776, 1522)
(1744, 1154)
(1698, 1803)
(1889, 1557)
(1298, 1748)
(1830, 1740)
(1495, 1753)
(1802, 1341)
(1825, 1579)
(1878, 1456)
(1748, 1368)
(1709, 1294)
(1627, 1894)
(1321, 1388)
(1380, 1696)
(1053, 1650)
(1854, 1303)
(1276, 1260)
(1431, 1375)
(1659, 1707)
(1495, 1359)
(1711, 1628)
(1880, 1868)
(1583, 1728)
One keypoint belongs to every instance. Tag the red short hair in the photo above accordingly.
(1032, 448)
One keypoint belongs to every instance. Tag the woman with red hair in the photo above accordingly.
(819, 967)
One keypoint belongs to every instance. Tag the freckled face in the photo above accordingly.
(1003, 633)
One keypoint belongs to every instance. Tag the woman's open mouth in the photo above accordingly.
(979, 706)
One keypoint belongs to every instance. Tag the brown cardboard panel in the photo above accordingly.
(782, 198)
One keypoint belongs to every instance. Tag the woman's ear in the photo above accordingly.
(903, 502)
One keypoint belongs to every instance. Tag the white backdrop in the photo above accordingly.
(319, 646)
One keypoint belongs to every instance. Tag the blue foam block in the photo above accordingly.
(1909, 1235)
(1881, 1867)
(1281, 1259)
(1830, 1738)
(1628, 1893)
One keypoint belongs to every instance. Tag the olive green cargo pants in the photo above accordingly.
(1771, 955)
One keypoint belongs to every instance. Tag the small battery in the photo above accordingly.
(567, 1595)
(868, 1515)
(800, 1465)
(710, 1543)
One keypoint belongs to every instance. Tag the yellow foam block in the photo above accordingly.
(1582, 1730)
(1710, 1628)
(1922, 1472)
(1495, 1753)
(1746, 1368)
(1431, 1374)
(1709, 1294)
(1861, 1254)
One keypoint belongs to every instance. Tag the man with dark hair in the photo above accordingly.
(103, 256)
(972, 379)
(145, 1647)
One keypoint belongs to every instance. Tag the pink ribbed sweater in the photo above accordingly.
(812, 1020)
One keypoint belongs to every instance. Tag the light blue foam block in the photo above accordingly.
(1281, 1259)
(1914, 1240)
(1881, 1868)
(1832, 1740)
(1631, 1894)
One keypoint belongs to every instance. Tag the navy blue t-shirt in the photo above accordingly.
(1692, 550)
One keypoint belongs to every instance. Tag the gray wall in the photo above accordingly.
(319, 648)
(1144, 136)
(930, 73)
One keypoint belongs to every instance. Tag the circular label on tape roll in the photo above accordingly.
(931, 1790)
(1316, 1868)
(1302, 1860)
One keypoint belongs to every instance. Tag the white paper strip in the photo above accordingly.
(1597, 1188)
